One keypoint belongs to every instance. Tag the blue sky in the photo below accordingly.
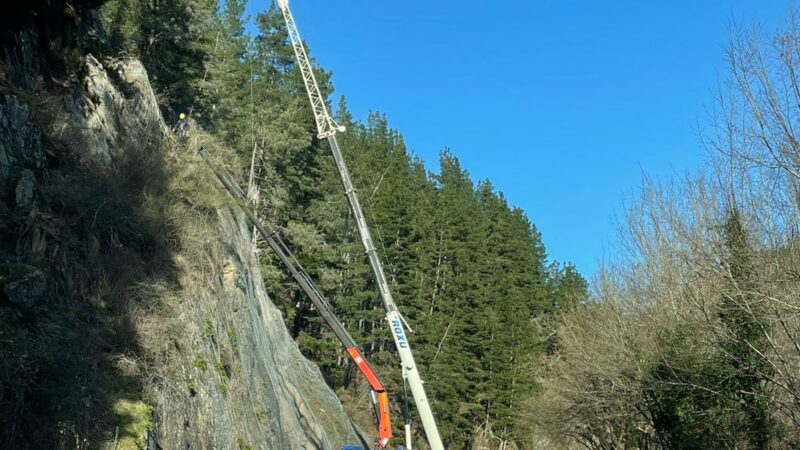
(562, 104)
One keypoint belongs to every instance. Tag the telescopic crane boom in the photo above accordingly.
(327, 129)
(380, 398)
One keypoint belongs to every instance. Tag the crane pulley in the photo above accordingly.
(327, 129)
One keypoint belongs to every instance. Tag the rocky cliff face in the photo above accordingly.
(133, 312)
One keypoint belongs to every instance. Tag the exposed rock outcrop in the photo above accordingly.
(20, 140)
(26, 287)
(172, 327)
(245, 381)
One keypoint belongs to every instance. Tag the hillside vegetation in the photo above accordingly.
(469, 271)
(687, 340)
(691, 340)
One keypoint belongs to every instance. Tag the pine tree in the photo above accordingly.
(225, 103)
(174, 46)
(171, 38)
(567, 287)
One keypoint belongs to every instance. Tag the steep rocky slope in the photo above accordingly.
(133, 309)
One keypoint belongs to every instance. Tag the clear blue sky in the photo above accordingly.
(563, 104)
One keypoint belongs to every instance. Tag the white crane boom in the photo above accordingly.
(327, 128)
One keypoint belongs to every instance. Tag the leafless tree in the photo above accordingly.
(673, 269)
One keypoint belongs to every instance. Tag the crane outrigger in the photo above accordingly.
(327, 129)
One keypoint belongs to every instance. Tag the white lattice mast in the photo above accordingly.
(327, 128)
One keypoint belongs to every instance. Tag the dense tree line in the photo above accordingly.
(469, 271)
